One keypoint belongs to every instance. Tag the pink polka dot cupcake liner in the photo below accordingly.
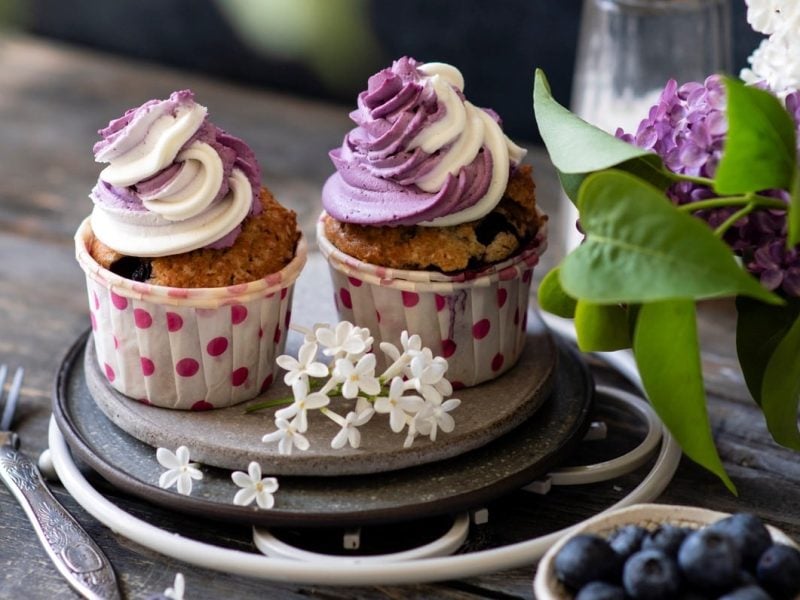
(477, 319)
(187, 348)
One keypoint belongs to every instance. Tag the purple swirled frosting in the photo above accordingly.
(420, 152)
(175, 181)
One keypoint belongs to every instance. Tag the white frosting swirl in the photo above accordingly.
(146, 233)
(467, 129)
(193, 189)
(151, 143)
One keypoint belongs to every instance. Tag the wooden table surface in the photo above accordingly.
(53, 98)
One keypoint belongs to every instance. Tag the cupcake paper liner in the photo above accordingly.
(477, 320)
(188, 348)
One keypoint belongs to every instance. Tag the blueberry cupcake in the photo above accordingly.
(430, 221)
(189, 260)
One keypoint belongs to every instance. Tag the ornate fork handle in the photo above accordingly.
(74, 553)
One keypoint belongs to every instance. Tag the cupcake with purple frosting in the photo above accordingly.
(189, 260)
(430, 221)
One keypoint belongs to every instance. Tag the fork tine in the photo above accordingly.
(11, 400)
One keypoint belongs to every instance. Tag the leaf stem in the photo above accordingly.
(756, 200)
(727, 223)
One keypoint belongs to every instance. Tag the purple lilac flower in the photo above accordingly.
(687, 129)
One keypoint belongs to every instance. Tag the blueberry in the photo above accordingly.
(651, 574)
(710, 560)
(749, 534)
(778, 571)
(586, 558)
(750, 592)
(131, 267)
(627, 540)
(666, 538)
(600, 590)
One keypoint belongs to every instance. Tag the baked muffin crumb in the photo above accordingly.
(266, 245)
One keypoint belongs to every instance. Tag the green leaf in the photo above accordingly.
(667, 354)
(780, 389)
(760, 148)
(651, 169)
(574, 145)
(647, 167)
(571, 182)
(553, 298)
(601, 327)
(759, 329)
(793, 213)
(640, 248)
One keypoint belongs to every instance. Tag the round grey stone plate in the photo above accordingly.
(230, 438)
(449, 485)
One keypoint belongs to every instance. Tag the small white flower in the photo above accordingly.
(254, 487)
(309, 335)
(357, 378)
(427, 376)
(303, 366)
(287, 436)
(176, 591)
(345, 340)
(303, 401)
(179, 469)
(435, 416)
(412, 434)
(397, 405)
(349, 432)
(411, 344)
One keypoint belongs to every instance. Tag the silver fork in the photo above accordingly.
(73, 552)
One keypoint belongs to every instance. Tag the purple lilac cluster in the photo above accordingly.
(687, 129)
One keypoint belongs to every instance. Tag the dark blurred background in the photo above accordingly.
(328, 48)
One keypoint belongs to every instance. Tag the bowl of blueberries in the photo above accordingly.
(659, 552)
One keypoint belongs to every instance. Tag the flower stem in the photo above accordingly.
(728, 223)
(755, 200)
(268, 404)
(690, 178)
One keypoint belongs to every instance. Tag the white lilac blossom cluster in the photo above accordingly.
(687, 129)
(776, 61)
(412, 391)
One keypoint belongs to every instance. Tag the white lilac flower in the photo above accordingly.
(349, 432)
(412, 433)
(287, 437)
(303, 366)
(765, 16)
(397, 405)
(411, 344)
(309, 335)
(364, 334)
(179, 469)
(357, 378)
(303, 401)
(433, 417)
(346, 339)
(254, 487)
(426, 375)
(176, 591)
